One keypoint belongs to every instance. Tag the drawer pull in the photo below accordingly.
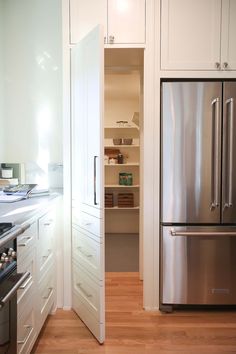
(28, 239)
(86, 223)
(85, 254)
(26, 337)
(48, 223)
(46, 256)
(83, 291)
(22, 287)
(49, 293)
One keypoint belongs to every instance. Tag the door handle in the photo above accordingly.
(202, 233)
(14, 289)
(95, 179)
(215, 165)
(230, 102)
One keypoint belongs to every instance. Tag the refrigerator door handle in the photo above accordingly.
(215, 167)
(201, 233)
(230, 102)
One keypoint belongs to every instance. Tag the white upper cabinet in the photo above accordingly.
(190, 34)
(126, 21)
(198, 34)
(228, 49)
(123, 20)
(84, 16)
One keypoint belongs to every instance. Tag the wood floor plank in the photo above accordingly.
(130, 330)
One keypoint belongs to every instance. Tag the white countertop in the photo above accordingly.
(20, 212)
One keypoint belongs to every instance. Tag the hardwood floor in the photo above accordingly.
(130, 330)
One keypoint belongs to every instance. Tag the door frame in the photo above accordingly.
(150, 161)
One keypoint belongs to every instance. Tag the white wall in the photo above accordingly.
(33, 81)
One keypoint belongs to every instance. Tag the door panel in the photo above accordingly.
(87, 164)
(229, 154)
(191, 152)
(228, 48)
(87, 122)
(197, 269)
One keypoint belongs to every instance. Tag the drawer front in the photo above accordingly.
(87, 290)
(45, 249)
(25, 242)
(26, 331)
(25, 291)
(86, 316)
(87, 222)
(86, 251)
(46, 295)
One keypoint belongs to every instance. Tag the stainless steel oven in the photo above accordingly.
(10, 282)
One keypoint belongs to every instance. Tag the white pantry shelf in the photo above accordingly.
(119, 208)
(122, 146)
(121, 186)
(122, 164)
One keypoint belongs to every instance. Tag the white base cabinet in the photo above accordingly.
(37, 296)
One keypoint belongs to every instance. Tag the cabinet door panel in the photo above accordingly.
(87, 121)
(190, 34)
(126, 21)
(84, 16)
(228, 53)
(87, 157)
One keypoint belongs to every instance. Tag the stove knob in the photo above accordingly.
(3, 257)
(1, 266)
(10, 251)
(13, 254)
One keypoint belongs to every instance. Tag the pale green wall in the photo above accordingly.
(33, 80)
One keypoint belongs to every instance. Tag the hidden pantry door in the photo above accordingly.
(87, 90)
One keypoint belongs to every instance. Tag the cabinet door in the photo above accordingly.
(126, 21)
(84, 16)
(190, 34)
(87, 157)
(87, 122)
(228, 51)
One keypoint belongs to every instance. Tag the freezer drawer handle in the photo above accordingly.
(202, 233)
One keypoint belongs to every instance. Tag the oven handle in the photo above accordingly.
(202, 233)
(14, 289)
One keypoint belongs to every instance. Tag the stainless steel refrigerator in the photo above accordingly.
(198, 193)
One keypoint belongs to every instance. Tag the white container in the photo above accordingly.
(7, 172)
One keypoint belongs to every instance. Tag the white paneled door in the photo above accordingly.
(87, 91)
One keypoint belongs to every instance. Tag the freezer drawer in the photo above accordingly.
(198, 265)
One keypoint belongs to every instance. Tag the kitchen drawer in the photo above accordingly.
(87, 290)
(45, 261)
(25, 242)
(46, 295)
(26, 330)
(87, 251)
(25, 292)
(87, 222)
(45, 249)
(86, 316)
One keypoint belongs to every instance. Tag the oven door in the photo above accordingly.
(8, 311)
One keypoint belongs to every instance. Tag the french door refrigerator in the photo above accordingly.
(198, 193)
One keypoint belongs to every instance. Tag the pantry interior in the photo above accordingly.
(123, 147)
